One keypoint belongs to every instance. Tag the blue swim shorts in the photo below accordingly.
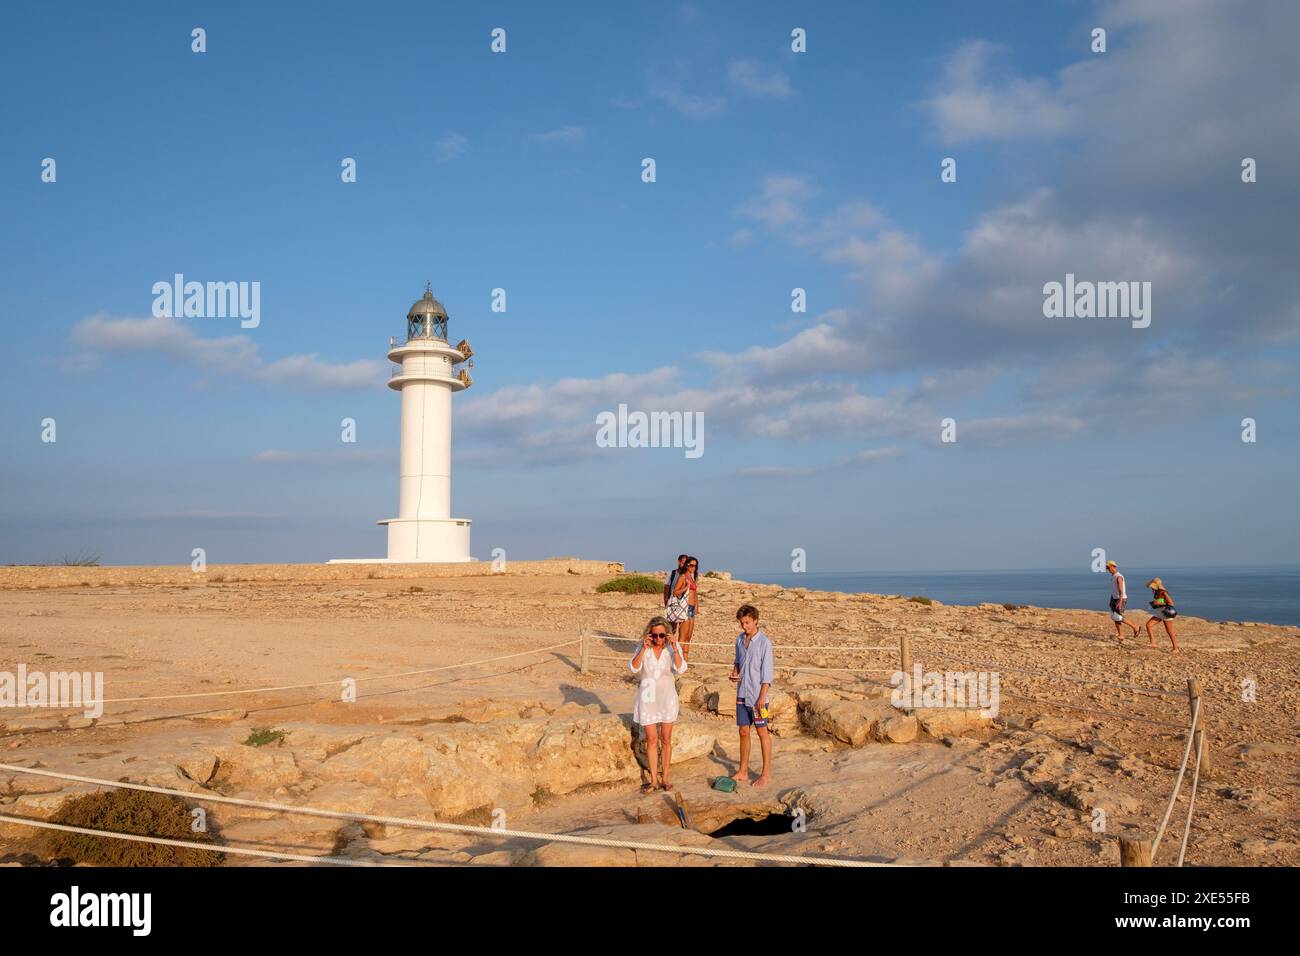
(746, 715)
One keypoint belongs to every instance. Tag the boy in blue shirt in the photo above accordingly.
(752, 673)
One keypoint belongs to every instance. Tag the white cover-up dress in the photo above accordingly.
(656, 699)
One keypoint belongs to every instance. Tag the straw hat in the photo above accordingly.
(1156, 583)
(1111, 564)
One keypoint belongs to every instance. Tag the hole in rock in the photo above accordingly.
(772, 824)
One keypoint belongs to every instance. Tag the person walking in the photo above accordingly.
(1118, 601)
(687, 588)
(1162, 610)
(670, 580)
(658, 660)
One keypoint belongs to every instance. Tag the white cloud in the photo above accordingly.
(334, 456)
(970, 106)
(668, 86)
(236, 355)
(868, 455)
(781, 202)
(449, 146)
(774, 471)
(750, 76)
(562, 134)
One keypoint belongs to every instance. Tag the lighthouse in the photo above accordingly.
(426, 376)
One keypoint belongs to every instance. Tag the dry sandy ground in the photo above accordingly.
(1018, 793)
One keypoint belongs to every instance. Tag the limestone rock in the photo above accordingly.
(723, 702)
(199, 767)
(848, 721)
(577, 854)
(495, 858)
(1263, 847)
(901, 729)
(691, 739)
(1042, 768)
(941, 722)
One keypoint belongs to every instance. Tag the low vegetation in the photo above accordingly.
(261, 736)
(632, 584)
(126, 811)
(921, 599)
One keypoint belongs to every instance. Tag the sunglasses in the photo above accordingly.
(657, 635)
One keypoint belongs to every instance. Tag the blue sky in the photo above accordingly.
(775, 170)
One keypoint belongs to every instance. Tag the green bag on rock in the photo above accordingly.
(725, 784)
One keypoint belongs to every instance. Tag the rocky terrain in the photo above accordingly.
(532, 743)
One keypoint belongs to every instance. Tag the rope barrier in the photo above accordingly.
(327, 683)
(802, 647)
(690, 663)
(1191, 735)
(1090, 710)
(164, 841)
(455, 827)
(1191, 805)
(1153, 691)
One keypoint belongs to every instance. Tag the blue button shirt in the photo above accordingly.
(755, 666)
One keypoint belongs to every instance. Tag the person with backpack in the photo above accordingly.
(1118, 600)
(684, 603)
(1163, 610)
(671, 580)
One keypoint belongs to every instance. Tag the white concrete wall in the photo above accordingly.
(424, 488)
(428, 540)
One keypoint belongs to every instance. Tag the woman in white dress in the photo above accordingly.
(657, 660)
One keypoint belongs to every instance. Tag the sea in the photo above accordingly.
(1270, 595)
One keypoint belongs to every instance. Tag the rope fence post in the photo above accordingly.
(1202, 741)
(905, 663)
(1134, 851)
(585, 653)
(1193, 700)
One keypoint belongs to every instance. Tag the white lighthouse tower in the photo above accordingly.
(424, 529)
(426, 377)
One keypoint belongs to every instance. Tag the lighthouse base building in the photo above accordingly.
(426, 376)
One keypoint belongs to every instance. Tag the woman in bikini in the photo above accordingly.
(686, 584)
(1162, 609)
(658, 660)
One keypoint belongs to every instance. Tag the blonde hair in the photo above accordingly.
(656, 621)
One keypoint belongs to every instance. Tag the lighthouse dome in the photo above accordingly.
(427, 306)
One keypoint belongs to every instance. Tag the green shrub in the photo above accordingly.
(261, 736)
(633, 584)
(921, 599)
(126, 811)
